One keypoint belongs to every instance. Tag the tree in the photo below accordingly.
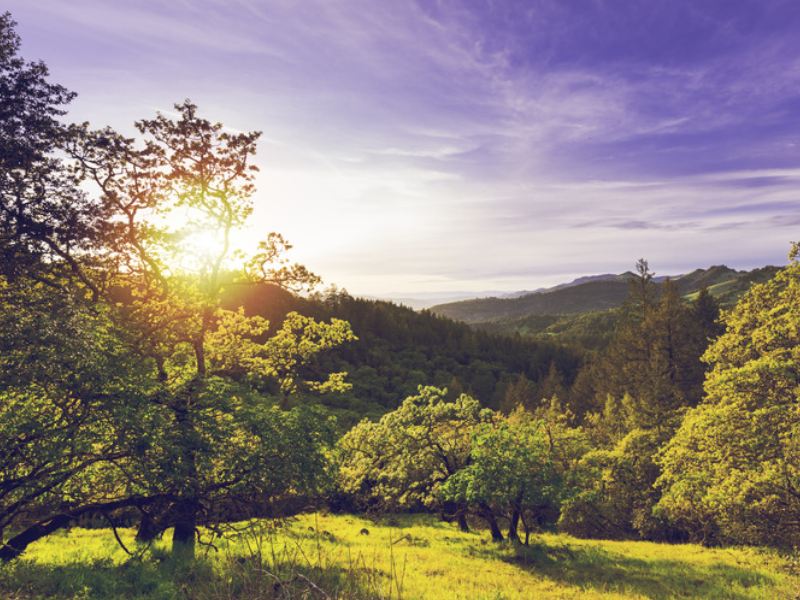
(511, 468)
(521, 394)
(643, 383)
(655, 358)
(642, 294)
(60, 379)
(46, 220)
(402, 461)
(203, 359)
(706, 314)
(154, 400)
(731, 471)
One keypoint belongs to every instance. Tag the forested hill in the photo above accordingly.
(399, 349)
(601, 293)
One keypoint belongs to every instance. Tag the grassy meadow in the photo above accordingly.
(406, 557)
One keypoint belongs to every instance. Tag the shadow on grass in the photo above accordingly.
(240, 578)
(597, 569)
(98, 579)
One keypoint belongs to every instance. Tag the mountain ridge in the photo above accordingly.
(600, 292)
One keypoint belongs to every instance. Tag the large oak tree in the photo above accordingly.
(156, 397)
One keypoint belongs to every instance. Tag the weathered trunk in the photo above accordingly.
(17, 545)
(148, 529)
(185, 510)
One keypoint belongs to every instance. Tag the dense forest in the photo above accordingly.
(150, 374)
(396, 350)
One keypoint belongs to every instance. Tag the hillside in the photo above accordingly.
(399, 349)
(583, 313)
(323, 555)
(591, 294)
(574, 299)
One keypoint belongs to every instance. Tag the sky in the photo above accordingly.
(420, 146)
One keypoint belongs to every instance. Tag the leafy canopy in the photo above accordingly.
(126, 384)
(731, 471)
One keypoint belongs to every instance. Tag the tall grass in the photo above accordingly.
(403, 558)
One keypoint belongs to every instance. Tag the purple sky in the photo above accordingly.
(445, 145)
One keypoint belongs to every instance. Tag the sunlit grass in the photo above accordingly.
(402, 557)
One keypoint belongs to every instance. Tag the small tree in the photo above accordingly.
(402, 461)
(520, 394)
(511, 468)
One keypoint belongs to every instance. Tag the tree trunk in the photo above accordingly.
(185, 532)
(17, 544)
(148, 529)
(488, 516)
(513, 525)
(186, 508)
(462, 522)
(527, 530)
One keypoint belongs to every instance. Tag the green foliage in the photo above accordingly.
(126, 383)
(730, 473)
(614, 495)
(48, 226)
(655, 358)
(398, 350)
(67, 390)
(402, 461)
(520, 394)
(511, 468)
(638, 389)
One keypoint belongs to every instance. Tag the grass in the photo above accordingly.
(403, 558)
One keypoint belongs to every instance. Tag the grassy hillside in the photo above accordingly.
(590, 331)
(730, 290)
(404, 557)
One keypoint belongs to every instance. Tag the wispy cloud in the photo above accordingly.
(459, 141)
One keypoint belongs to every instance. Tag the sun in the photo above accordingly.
(193, 248)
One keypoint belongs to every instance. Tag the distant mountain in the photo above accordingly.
(711, 277)
(599, 292)
(575, 299)
(422, 300)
